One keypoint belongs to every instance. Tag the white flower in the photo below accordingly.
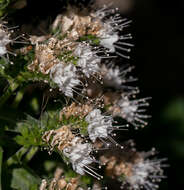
(65, 77)
(108, 36)
(132, 110)
(116, 77)
(79, 155)
(88, 61)
(111, 24)
(4, 40)
(99, 125)
(145, 173)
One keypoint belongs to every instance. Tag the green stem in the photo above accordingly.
(31, 153)
(18, 98)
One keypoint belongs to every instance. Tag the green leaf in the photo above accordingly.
(86, 180)
(94, 40)
(16, 158)
(31, 153)
(1, 161)
(70, 174)
(22, 179)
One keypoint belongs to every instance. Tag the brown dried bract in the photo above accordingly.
(118, 164)
(60, 138)
(76, 110)
(59, 182)
(79, 24)
(44, 59)
(46, 54)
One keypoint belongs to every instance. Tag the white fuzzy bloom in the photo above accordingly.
(111, 77)
(88, 61)
(108, 37)
(109, 33)
(145, 174)
(115, 77)
(4, 40)
(79, 155)
(99, 125)
(65, 77)
(132, 110)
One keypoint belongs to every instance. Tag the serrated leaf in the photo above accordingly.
(22, 179)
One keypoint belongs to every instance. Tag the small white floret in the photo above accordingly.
(65, 77)
(99, 125)
(88, 61)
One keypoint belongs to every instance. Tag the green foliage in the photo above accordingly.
(70, 174)
(22, 179)
(67, 57)
(17, 157)
(3, 5)
(31, 129)
(76, 123)
(92, 39)
(86, 180)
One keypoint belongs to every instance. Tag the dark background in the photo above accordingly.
(159, 60)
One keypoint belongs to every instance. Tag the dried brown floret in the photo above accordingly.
(118, 164)
(78, 24)
(59, 182)
(46, 54)
(76, 110)
(59, 138)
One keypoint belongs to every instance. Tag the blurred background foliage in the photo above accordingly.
(159, 59)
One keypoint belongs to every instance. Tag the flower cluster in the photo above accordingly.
(73, 148)
(103, 25)
(78, 59)
(132, 110)
(60, 182)
(134, 169)
(64, 61)
(78, 49)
